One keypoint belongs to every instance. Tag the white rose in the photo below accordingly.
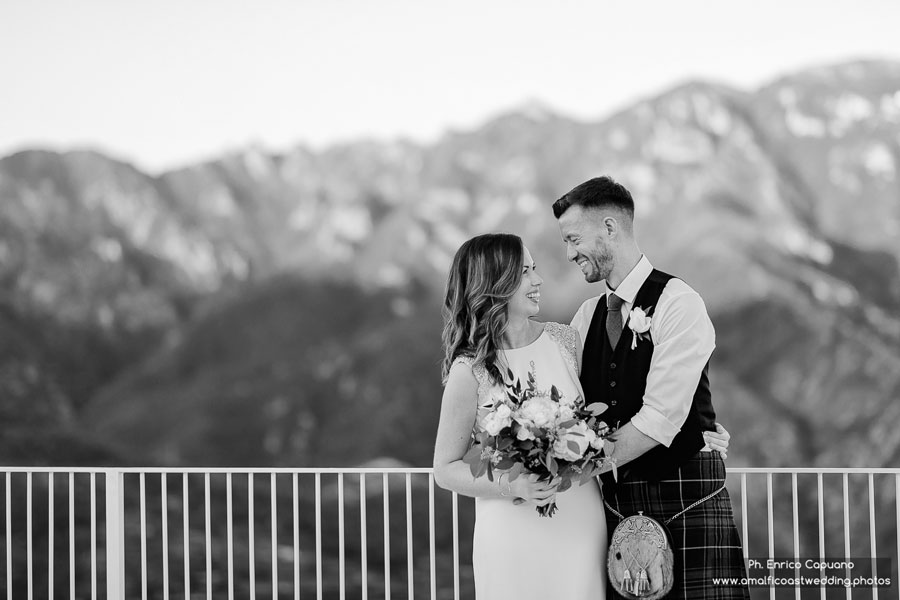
(497, 419)
(566, 412)
(580, 435)
(638, 321)
(524, 433)
(599, 442)
(538, 412)
(562, 451)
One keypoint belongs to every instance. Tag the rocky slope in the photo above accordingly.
(283, 309)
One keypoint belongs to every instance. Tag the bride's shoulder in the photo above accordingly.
(566, 338)
(561, 332)
(464, 359)
(554, 328)
(477, 369)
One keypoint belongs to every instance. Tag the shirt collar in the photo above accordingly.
(632, 283)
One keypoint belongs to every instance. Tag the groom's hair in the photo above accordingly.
(599, 192)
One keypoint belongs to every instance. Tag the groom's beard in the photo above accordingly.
(601, 265)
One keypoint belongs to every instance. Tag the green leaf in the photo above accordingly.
(597, 408)
(516, 470)
(573, 447)
(473, 453)
(552, 466)
(554, 393)
(473, 459)
(505, 464)
(565, 484)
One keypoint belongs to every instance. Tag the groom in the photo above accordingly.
(654, 378)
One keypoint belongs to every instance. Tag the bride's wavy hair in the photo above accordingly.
(486, 272)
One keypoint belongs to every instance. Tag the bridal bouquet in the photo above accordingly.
(539, 432)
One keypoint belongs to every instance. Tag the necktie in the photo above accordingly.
(614, 318)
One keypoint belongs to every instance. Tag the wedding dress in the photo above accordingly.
(517, 554)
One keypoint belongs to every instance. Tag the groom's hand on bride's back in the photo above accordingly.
(717, 441)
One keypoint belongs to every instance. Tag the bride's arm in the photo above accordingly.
(458, 409)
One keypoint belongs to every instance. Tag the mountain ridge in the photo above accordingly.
(730, 196)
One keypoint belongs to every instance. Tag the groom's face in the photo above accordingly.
(586, 242)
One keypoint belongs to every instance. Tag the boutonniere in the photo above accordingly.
(639, 324)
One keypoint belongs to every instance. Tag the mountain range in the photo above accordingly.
(284, 309)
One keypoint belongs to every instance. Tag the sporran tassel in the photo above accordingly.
(643, 584)
(626, 581)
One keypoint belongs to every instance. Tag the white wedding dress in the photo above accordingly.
(517, 554)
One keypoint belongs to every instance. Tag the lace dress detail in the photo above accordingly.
(567, 339)
(480, 373)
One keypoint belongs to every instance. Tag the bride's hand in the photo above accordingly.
(528, 489)
(717, 440)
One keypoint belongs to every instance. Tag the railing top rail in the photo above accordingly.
(213, 470)
(391, 470)
(838, 470)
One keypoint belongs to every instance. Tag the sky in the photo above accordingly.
(164, 83)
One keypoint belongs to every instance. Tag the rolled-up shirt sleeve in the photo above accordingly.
(683, 340)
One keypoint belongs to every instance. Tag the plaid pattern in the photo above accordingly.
(705, 539)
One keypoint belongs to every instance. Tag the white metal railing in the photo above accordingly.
(292, 533)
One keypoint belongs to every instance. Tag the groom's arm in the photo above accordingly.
(683, 340)
(630, 444)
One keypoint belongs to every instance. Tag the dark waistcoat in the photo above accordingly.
(618, 377)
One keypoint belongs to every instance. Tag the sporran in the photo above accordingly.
(641, 561)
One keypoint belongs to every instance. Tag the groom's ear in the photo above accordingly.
(611, 226)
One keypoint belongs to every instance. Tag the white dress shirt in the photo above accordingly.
(683, 340)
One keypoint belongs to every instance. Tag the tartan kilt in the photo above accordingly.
(705, 540)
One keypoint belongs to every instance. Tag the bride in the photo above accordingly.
(493, 294)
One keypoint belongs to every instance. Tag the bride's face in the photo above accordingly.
(526, 301)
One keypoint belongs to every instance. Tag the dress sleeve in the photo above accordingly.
(566, 338)
(463, 360)
(478, 371)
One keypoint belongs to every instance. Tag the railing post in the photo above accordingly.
(115, 534)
